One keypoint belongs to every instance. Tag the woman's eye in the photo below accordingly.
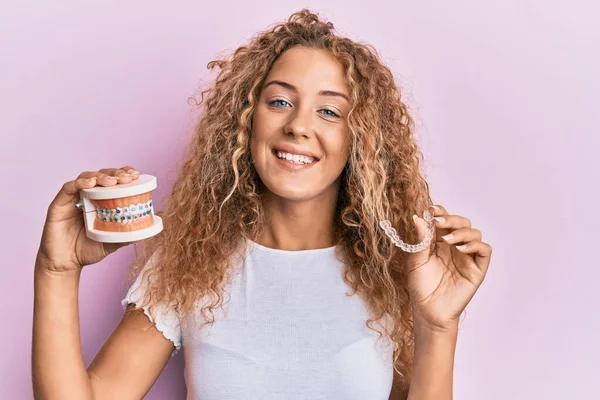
(329, 113)
(279, 102)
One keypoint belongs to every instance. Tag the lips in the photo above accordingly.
(295, 150)
(291, 166)
(275, 151)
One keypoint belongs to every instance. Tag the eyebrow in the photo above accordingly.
(294, 89)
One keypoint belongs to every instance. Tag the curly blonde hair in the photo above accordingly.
(215, 204)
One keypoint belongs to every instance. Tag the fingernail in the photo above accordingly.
(447, 237)
(112, 178)
(124, 174)
(461, 247)
(415, 218)
(440, 219)
(90, 179)
(133, 171)
(436, 208)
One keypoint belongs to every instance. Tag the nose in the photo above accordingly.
(300, 124)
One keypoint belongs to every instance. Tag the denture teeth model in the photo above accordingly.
(124, 215)
(121, 213)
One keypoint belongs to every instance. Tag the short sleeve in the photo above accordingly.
(166, 321)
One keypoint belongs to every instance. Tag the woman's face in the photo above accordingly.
(302, 110)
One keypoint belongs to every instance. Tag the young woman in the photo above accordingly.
(273, 271)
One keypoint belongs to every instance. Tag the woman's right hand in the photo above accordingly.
(64, 246)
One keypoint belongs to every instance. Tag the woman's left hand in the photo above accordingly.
(441, 285)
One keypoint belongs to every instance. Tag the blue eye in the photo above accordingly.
(278, 102)
(329, 113)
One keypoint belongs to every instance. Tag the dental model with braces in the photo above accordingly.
(120, 213)
(125, 215)
(410, 248)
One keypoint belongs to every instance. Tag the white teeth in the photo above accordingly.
(295, 158)
(125, 215)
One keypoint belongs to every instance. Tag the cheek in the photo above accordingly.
(262, 118)
(257, 133)
(263, 127)
(336, 146)
(259, 149)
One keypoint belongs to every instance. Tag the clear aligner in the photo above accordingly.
(125, 215)
(410, 248)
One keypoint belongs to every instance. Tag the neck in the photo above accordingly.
(299, 224)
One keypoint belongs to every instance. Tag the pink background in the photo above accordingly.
(505, 95)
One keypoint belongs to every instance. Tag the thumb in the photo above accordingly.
(421, 226)
(422, 256)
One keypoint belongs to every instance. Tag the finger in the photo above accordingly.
(439, 211)
(452, 221)
(107, 180)
(446, 223)
(421, 226)
(481, 250)
(88, 174)
(131, 170)
(102, 179)
(69, 193)
(462, 235)
(135, 174)
(422, 256)
(127, 169)
(120, 174)
(111, 172)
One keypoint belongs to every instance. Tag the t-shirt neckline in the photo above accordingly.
(292, 252)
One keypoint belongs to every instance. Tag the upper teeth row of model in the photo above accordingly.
(125, 214)
(295, 158)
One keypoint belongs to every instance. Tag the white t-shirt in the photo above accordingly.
(289, 331)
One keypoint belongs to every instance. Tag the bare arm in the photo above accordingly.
(126, 366)
(433, 367)
(434, 364)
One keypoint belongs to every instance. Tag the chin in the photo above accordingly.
(292, 192)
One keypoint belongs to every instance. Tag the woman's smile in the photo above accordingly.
(293, 163)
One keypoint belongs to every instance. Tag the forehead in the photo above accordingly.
(310, 69)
